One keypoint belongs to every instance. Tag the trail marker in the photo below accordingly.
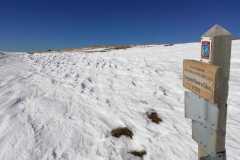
(206, 48)
(206, 104)
(201, 78)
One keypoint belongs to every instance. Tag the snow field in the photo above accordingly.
(63, 106)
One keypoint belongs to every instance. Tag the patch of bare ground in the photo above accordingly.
(122, 131)
(121, 47)
(153, 116)
(138, 153)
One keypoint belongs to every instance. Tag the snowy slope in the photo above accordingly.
(63, 106)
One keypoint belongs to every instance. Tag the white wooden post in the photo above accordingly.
(207, 104)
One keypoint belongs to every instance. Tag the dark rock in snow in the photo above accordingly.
(122, 131)
(153, 116)
(140, 153)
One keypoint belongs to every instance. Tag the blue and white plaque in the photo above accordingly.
(205, 49)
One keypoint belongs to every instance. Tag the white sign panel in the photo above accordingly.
(200, 110)
(204, 136)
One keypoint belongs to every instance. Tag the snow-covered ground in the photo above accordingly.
(63, 106)
(11, 53)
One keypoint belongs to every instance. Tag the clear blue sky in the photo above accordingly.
(42, 24)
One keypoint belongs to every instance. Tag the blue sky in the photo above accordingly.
(41, 24)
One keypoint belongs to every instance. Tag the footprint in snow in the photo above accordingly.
(108, 102)
(133, 83)
(66, 75)
(83, 85)
(89, 79)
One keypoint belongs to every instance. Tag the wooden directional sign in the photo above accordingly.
(200, 78)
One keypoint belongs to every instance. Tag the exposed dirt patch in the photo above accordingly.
(121, 46)
(122, 131)
(139, 153)
(154, 117)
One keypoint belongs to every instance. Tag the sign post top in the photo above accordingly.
(216, 31)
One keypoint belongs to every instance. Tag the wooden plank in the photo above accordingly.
(200, 78)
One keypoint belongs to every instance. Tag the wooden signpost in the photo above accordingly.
(206, 103)
(201, 78)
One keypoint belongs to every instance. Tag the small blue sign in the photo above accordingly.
(205, 49)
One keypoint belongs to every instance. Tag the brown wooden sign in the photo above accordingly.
(200, 78)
